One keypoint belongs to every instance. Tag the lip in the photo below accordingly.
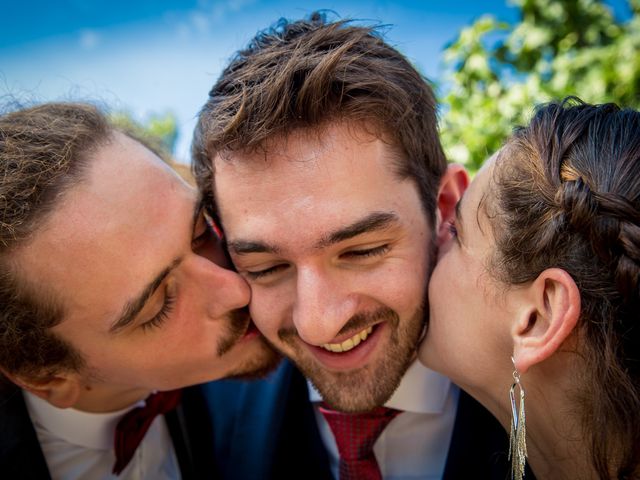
(251, 332)
(355, 358)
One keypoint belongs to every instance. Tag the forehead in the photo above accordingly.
(111, 231)
(319, 179)
(341, 146)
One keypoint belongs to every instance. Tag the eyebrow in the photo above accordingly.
(373, 222)
(243, 247)
(135, 306)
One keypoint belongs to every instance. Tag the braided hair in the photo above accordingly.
(567, 195)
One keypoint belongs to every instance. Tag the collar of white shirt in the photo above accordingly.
(90, 430)
(414, 445)
(421, 390)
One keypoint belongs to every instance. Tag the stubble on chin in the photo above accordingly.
(373, 384)
(260, 365)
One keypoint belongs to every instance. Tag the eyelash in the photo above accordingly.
(162, 315)
(263, 273)
(371, 252)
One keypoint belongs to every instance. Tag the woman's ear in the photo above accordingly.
(453, 184)
(62, 390)
(550, 312)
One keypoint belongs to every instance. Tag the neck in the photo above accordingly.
(103, 399)
(557, 446)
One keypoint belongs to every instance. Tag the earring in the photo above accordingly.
(517, 437)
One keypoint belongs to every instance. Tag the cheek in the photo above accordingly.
(402, 284)
(268, 309)
(446, 291)
(448, 317)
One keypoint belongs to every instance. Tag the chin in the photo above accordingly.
(259, 366)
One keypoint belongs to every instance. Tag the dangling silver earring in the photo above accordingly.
(517, 437)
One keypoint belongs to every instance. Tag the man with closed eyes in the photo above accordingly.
(318, 151)
(113, 297)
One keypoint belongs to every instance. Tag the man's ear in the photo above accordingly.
(452, 185)
(61, 390)
(549, 313)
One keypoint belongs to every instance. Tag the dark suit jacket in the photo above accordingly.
(267, 430)
(21, 456)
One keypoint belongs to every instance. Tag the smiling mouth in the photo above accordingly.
(349, 343)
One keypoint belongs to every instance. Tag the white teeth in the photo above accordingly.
(349, 343)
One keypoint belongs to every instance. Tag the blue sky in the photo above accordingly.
(156, 56)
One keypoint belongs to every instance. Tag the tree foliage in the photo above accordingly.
(158, 131)
(496, 72)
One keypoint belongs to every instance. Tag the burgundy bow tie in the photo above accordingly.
(355, 435)
(133, 426)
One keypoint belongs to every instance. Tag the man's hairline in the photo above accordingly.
(8, 256)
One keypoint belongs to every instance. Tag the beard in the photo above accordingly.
(239, 322)
(371, 385)
(258, 366)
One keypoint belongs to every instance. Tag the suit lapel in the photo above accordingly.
(21, 455)
(300, 447)
(266, 429)
(190, 429)
(20, 452)
(479, 445)
(276, 420)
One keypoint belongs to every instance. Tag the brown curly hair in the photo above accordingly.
(307, 73)
(44, 151)
(567, 195)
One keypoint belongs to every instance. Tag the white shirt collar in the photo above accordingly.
(421, 390)
(91, 430)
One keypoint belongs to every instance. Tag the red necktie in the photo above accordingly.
(133, 426)
(355, 434)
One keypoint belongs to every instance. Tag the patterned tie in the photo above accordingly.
(133, 426)
(355, 434)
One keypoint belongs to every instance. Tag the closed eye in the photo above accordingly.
(258, 274)
(160, 317)
(367, 252)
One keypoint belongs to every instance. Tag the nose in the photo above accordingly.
(323, 306)
(223, 290)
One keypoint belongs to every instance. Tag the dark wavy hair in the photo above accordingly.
(567, 195)
(44, 151)
(307, 73)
